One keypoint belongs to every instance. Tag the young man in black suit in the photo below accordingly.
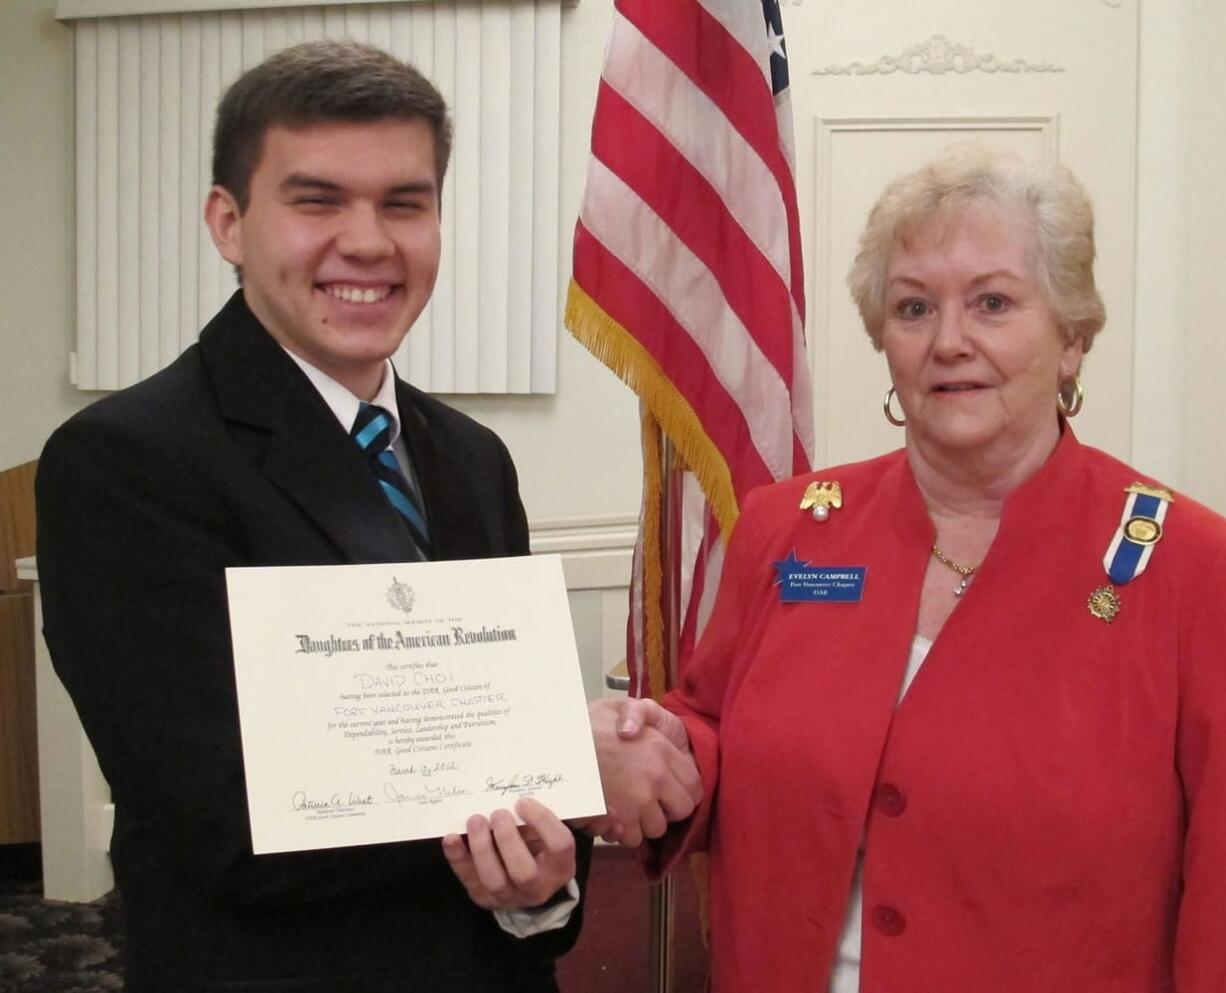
(328, 170)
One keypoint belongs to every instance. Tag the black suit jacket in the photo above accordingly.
(229, 457)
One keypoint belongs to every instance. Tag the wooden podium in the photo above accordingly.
(19, 820)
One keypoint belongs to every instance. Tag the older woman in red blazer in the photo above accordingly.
(960, 711)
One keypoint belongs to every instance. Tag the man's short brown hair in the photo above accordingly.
(313, 83)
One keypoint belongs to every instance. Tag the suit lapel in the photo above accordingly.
(313, 460)
(296, 441)
(446, 484)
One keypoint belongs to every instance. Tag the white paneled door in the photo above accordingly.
(879, 86)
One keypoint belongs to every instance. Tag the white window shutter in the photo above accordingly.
(147, 86)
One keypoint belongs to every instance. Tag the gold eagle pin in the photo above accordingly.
(820, 497)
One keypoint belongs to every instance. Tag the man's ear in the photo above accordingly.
(225, 223)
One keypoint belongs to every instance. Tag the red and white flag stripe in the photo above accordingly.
(688, 279)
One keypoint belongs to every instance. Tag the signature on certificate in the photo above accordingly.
(430, 795)
(523, 783)
(301, 800)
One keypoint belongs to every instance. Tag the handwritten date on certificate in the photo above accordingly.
(391, 702)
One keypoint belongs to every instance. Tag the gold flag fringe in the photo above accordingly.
(621, 351)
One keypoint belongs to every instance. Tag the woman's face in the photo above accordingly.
(973, 347)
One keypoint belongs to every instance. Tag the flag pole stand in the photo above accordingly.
(663, 893)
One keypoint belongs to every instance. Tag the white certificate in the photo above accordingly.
(389, 702)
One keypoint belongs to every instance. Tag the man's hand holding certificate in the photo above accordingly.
(391, 702)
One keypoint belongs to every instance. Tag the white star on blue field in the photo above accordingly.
(779, 51)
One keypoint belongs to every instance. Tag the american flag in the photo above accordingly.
(688, 283)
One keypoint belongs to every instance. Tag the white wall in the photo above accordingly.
(1203, 440)
(36, 249)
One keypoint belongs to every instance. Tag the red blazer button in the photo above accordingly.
(888, 921)
(890, 800)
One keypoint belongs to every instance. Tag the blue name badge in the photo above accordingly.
(800, 582)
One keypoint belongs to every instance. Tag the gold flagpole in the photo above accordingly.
(663, 896)
(662, 899)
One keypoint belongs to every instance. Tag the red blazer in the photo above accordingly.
(1045, 812)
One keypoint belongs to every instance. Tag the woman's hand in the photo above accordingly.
(505, 866)
(648, 774)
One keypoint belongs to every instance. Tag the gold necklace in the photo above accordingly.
(965, 571)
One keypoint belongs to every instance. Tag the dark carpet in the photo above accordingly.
(52, 947)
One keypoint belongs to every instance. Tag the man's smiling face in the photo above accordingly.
(339, 244)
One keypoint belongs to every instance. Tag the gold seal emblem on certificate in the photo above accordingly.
(400, 595)
(1104, 603)
(821, 497)
(1143, 530)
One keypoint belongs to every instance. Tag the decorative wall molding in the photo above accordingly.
(936, 56)
(596, 551)
(584, 534)
(574, 538)
(1047, 124)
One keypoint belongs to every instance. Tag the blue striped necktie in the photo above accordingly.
(372, 430)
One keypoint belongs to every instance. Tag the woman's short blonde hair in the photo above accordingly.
(970, 176)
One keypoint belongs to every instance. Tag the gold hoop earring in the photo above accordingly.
(1071, 408)
(898, 422)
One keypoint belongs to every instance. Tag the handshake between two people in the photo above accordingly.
(649, 777)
